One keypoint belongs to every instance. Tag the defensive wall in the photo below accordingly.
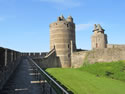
(115, 46)
(78, 58)
(9, 60)
(44, 59)
(34, 55)
(97, 55)
(51, 60)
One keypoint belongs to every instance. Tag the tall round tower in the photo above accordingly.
(99, 39)
(62, 35)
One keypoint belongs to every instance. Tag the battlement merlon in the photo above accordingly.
(62, 21)
(61, 18)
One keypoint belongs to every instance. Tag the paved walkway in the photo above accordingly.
(24, 81)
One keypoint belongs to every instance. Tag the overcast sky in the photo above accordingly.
(24, 24)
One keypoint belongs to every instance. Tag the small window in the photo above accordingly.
(67, 25)
(68, 55)
(96, 45)
(68, 45)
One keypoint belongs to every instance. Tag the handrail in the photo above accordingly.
(62, 89)
(50, 52)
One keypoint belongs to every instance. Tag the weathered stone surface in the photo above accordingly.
(99, 39)
(62, 33)
(9, 59)
(62, 38)
(97, 55)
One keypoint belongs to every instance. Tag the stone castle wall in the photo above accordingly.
(34, 54)
(115, 46)
(49, 61)
(9, 60)
(97, 55)
(106, 55)
(78, 58)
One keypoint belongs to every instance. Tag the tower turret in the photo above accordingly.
(99, 39)
(61, 18)
(70, 19)
(62, 33)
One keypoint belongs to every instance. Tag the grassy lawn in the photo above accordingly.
(93, 79)
(114, 70)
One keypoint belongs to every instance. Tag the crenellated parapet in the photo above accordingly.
(63, 23)
(9, 60)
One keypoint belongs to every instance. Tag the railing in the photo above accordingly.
(48, 54)
(59, 89)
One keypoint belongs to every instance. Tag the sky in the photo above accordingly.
(24, 24)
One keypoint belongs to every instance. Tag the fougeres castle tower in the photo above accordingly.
(62, 37)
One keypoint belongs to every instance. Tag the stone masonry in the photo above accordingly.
(62, 35)
(63, 52)
(99, 39)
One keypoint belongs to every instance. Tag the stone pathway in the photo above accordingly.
(25, 81)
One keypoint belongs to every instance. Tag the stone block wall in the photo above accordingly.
(97, 55)
(78, 58)
(35, 54)
(115, 46)
(49, 61)
(106, 55)
(9, 60)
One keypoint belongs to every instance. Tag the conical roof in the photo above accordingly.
(98, 28)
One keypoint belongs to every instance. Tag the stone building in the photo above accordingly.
(62, 39)
(99, 39)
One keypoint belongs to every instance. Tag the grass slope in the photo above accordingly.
(92, 79)
(114, 70)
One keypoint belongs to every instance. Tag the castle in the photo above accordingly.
(63, 52)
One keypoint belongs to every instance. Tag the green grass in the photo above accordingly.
(114, 70)
(93, 79)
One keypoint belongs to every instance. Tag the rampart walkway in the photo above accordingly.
(26, 81)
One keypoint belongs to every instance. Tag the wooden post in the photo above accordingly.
(5, 57)
(11, 56)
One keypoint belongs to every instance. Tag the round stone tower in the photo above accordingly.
(99, 39)
(62, 37)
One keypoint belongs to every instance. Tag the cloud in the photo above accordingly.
(64, 3)
(82, 27)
